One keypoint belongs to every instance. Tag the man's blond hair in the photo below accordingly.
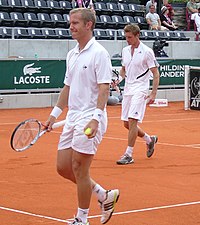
(132, 28)
(86, 14)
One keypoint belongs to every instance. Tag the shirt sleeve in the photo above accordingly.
(122, 62)
(103, 67)
(67, 75)
(151, 59)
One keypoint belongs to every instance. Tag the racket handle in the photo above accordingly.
(58, 124)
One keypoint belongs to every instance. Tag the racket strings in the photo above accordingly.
(26, 135)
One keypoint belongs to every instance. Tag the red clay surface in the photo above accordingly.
(162, 190)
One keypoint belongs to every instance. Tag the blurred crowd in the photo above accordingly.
(159, 18)
(164, 19)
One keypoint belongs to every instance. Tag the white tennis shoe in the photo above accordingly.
(108, 205)
(151, 146)
(78, 222)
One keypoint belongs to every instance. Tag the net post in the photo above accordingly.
(186, 88)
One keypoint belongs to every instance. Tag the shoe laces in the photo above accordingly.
(75, 221)
(125, 156)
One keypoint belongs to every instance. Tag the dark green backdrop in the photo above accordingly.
(42, 74)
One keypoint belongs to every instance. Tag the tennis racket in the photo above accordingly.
(27, 133)
(116, 80)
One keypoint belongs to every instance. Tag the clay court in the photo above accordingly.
(162, 190)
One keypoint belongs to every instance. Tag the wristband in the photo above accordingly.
(56, 112)
(97, 114)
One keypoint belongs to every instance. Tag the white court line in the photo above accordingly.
(96, 216)
(156, 121)
(158, 143)
(197, 145)
(31, 214)
(118, 117)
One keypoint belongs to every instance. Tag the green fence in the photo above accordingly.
(47, 74)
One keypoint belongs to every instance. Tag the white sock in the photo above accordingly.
(82, 214)
(129, 151)
(147, 138)
(99, 192)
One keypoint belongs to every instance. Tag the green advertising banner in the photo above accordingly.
(47, 74)
(172, 72)
(31, 74)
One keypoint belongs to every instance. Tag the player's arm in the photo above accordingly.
(122, 72)
(58, 108)
(63, 98)
(156, 79)
(104, 90)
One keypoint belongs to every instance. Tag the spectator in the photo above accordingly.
(196, 18)
(149, 3)
(153, 19)
(192, 7)
(170, 9)
(85, 4)
(165, 20)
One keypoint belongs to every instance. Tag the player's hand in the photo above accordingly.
(150, 98)
(93, 128)
(49, 123)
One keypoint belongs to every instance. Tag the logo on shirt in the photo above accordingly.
(84, 67)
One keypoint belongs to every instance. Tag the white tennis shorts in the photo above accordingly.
(73, 135)
(134, 106)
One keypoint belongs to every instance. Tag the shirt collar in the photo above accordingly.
(90, 42)
(138, 49)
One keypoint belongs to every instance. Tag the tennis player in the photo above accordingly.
(85, 93)
(138, 64)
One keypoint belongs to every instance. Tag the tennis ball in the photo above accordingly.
(88, 131)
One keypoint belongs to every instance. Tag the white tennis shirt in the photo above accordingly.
(136, 67)
(85, 70)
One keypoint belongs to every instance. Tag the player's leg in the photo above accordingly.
(80, 165)
(150, 141)
(74, 166)
(65, 151)
(107, 200)
(64, 164)
(125, 158)
(133, 108)
(133, 132)
(132, 135)
(82, 157)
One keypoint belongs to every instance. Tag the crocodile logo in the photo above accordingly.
(29, 70)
